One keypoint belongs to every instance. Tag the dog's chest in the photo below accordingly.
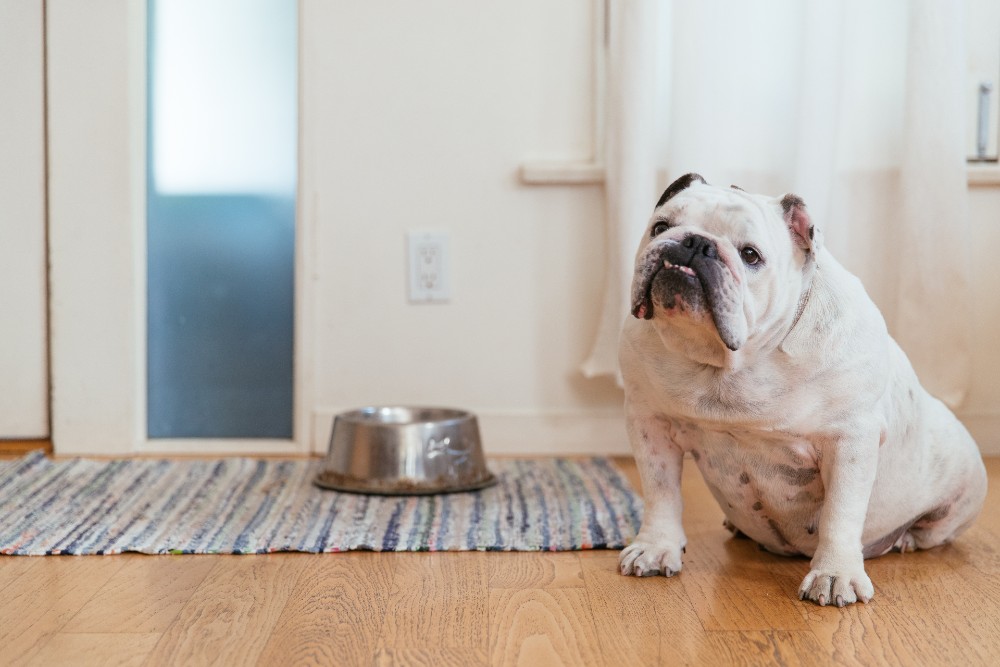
(768, 487)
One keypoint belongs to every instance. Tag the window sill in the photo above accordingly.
(562, 173)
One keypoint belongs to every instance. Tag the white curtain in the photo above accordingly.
(858, 107)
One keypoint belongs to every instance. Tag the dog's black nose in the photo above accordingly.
(699, 245)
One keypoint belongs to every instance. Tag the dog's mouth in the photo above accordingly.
(671, 285)
(682, 277)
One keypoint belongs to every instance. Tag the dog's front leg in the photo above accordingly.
(658, 547)
(837, 572)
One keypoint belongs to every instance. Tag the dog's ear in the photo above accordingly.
(804, 233)
(680, 184)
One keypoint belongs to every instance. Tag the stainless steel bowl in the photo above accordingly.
(404, 451)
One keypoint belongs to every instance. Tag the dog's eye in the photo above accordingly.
(659, 228)
(750, 255)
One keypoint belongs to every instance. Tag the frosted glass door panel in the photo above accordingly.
(221, 218)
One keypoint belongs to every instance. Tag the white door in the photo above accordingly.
(24, 391)
(97, 121)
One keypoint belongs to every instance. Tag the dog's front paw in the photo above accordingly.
(647, 558)
(839, 586)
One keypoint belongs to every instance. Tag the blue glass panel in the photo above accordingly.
(221, 218)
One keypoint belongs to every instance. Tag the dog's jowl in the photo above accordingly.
(752, 348)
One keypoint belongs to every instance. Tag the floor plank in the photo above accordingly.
(438, 600)
(12, 569)
(16, 448)
(143, 596)
(768, 647)
(100, 649)
(535, 569)
(642, 621)
(542, 627)
(39, 603)
(334, 613)
(229, 618)
(428, 657)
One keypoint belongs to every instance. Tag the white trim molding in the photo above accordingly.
(588, 171)
(96, 187)
(96, 57)
(557, 172)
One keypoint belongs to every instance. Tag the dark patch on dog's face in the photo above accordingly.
(744, 478)
(681, 183)
(676, 291)
(758, 506)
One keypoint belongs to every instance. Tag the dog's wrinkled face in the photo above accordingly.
(724, 259)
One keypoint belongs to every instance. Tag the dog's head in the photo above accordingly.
(728, 262)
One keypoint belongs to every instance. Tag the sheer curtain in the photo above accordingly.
(857, 107)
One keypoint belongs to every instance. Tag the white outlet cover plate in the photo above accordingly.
(429, 279)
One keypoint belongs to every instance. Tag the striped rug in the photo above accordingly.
(245, 506)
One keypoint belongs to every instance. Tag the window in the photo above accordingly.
(222, 146)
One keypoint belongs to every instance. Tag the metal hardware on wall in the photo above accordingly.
(983, 120)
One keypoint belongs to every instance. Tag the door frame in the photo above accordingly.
(96, 115)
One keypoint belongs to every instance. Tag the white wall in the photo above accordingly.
(981, 410)
(23, 363)
(418, 118)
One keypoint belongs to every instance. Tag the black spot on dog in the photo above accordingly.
(744, 478)
(788, 202)
(680, 184)
(758, 506)
(777, 533)
(797, 476)
(731, 527)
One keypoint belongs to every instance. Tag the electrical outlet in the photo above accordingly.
(429, 281)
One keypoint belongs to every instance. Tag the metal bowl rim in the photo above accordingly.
(368, 416)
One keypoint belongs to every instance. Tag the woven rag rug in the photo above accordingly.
(242, 505)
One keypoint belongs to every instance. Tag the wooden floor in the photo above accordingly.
(732, 604)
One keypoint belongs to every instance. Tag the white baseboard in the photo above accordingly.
(985, 430)
(527, 432)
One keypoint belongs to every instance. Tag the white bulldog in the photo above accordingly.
(753, 349)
